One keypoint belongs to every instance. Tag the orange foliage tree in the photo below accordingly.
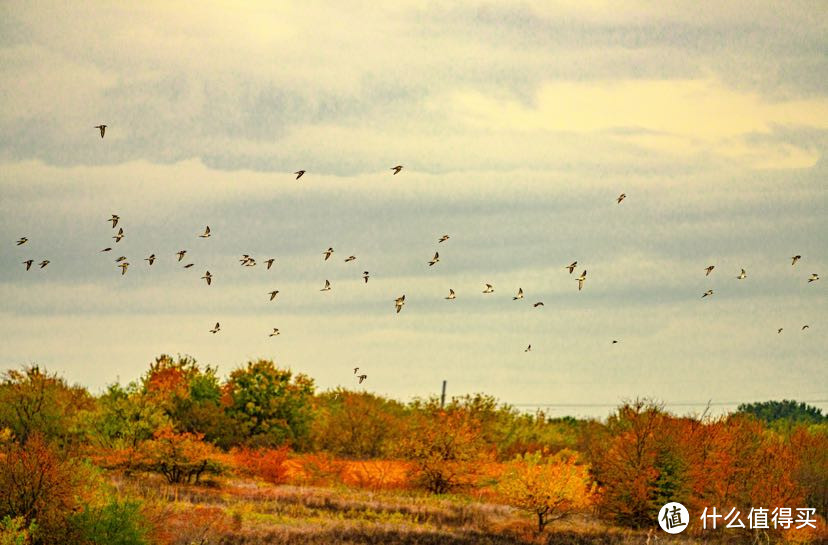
(266, 463)
(180, 457)
(549, 487)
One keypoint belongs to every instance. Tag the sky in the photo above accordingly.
(517, 123)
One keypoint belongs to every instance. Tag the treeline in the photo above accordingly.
(180, 420)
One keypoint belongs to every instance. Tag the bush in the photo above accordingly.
(180, 457)
(265, 463)
(116, 523)
(14, 531)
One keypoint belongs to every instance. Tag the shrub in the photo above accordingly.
(265, 463)
(180, 457)
(116, 523)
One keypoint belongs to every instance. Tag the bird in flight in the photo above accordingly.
(709, 270)
(180, 254)
(571, 266)
(519, 295)
(814, 277)
(208, 277)
(361, 378)
(275, 332)
(614, 341)
(528, 348)
(216, 329)
(794, 259)
(778, 331)
(538, 304)
(119, 235)
(28, 263)
(444, 238)
(365, 276)
(188, 265)
(581, 279)
(327, 253)
(206, 233)
(299, 173)
(489, 289)
(107, 249)
(150, 259)
(23, 240)
(114, 219)
(44, 263)
(355, 370)
(124, 266)
(350, 258)
(621, 197)
(273, 294)
(102, 128)
(451, 295)
(122, 258)
(708, 292)
(269, 262)
(434, 259)
(397, 169)
(742, 275)
(327, 286)
(806, 326)
(399, 302)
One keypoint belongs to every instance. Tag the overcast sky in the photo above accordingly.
(518, 125)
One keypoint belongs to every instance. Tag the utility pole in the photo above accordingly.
(443, 396)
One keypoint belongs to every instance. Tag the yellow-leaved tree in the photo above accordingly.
(550, 487)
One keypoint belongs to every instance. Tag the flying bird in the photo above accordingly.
(150, 259)
(180, 254)
(23, 240)
(434, 259)
(444, 238)
(361, 378)
(208, 277)
(451, 295)
(742, 275)
(708, 292)
(621, 197)
(528, 348)
(122, 258)
(216, 329)
(581, 279)
(355, 370)
(806, 326)
(399, 302)
(365, 276)
(538, 304)
(614, 341)
(124, 266)
(778, 331)
(350, 258)
(28, 263)
(102, 128)
(327, 286)
(794, 259)
(571, 266)
(275, 332)
(299, 173)
(709, 270)
(188, 265)
(107, 249)
(114, 219)
(327, 253)
(519, 295)
(397, 169)
(206, 233)
(119, 235)
(489, 289)
(269, 262)
(273, 294)
(44, 263)
(814, 277)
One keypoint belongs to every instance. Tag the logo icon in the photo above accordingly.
(673, 517)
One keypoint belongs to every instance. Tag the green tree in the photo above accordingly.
(269, 406)
(789, 410)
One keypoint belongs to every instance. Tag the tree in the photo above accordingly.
(549, 487)
(180, 457)
(268, 405)
(789, 410)
(33, 401)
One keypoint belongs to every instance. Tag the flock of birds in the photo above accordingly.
(249, 261)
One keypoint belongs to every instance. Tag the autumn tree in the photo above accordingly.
(33, 401)
(446, 445)
(550, 487)
(180, 457)
(357, 424)
(269, 406)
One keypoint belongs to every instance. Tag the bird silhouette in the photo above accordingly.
(22, 240)
(273, 294)
(124, 265)
(528, 348)
(299, 173)
(519, 295)
(350, 258)
(489, 289)
(361, 378)
(709, 270)
(44, 263)
(707, 293)
(269, 262)
(451, 295)
(742, 275)
(327, 286)
(206, 233)
(581, 279)
(399, 302)
(434, 259)
(216, 329)
(28, 263)
(114, 219)
(102, 129)
(365, 276)
(275, 332)
(621, 197)
(327, 253)
(208, 277)
(571, 266)
(444, 238)
(119, 235)
(150, 259)
(181, 254)
(538, 304)
(397, 169)
(794, 259)
(814, 277)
